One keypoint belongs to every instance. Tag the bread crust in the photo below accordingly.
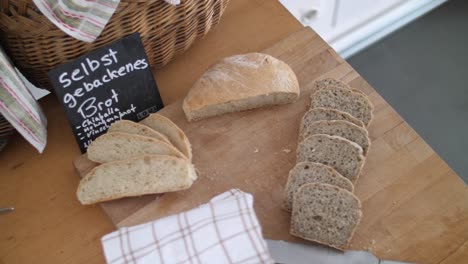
(237, 78)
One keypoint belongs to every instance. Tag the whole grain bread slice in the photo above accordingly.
(120, 146)
(349, 101)
(334, 83)
(320, 113)
(166, 127)
(312, 172)
(130, 127)
(330, 83)
(340, 128)
(339, 153)
(134, 177)
(325, 214)
(241, 82)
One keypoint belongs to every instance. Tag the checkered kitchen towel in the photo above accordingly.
(81, 19)
(225, 230)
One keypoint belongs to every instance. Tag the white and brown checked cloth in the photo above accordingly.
(81, 19)
(225, 230)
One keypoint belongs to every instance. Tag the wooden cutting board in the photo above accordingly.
(415, 207)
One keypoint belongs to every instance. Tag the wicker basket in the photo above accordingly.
(36, 45)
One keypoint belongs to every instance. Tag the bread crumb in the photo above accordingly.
(373, 242)
(256, 150)
(286, 150)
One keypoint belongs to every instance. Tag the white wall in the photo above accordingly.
(351, 25)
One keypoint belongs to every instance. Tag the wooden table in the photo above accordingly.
(49, 224)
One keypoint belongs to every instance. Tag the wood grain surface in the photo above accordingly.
(415, 207)
(49, 225)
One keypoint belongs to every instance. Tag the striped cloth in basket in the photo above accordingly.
(18, 106)
(81, 19)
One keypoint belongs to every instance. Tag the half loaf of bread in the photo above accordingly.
(241, 82)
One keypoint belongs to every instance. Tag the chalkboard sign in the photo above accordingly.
(108, 84)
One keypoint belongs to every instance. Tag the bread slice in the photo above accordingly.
(339, 153)
(135, 177)
(130, 127)
(334, 83)
(320, 113)
(340, 128)
(325, 214)
(330, 83)
(241, 82)
(312, 172)
(349, 101)
(119, 146)
(166, 127)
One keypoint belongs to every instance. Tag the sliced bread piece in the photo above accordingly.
(334, 83)
(241, 82)
(340, 128)
(352, 102)
(330, 83)
(325, 214)
(166, 127)
(135, 177)
(320, 113)
(119, 146)
(312, 172)
(339, 153)
(130, 127)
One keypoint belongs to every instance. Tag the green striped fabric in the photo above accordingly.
(82, 19)
(19, 107)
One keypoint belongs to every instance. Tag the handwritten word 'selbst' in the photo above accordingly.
(86, 69)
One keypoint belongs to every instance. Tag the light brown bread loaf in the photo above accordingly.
(166, 127)
(328, 114)
(120, 146)
(352, 102)
(339, 153)
(241, 82)
(325, 214)
(312, 172)
(340, 128)
(130, 127)
(134, 177)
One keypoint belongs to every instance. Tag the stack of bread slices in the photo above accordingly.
(333, 144)
(153, 156)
